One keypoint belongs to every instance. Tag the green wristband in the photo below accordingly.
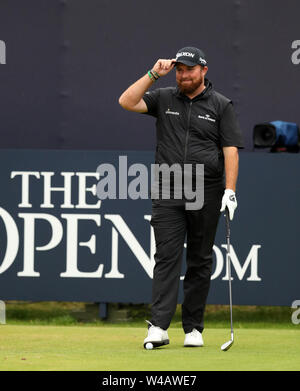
(155, 74)
(151, 76)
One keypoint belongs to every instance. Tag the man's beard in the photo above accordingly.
(189, 88)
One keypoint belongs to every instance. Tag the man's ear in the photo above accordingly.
(205, 69)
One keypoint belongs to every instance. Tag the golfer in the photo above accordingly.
(195, 125)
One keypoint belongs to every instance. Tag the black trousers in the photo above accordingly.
(173, 224)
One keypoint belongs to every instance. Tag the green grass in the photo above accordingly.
(70, 336)
(106, 348)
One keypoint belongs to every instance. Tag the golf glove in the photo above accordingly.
(229, 201)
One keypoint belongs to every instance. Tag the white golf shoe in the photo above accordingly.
(156, 336)
(194, 338)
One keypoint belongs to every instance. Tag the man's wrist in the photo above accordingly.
(153, 75)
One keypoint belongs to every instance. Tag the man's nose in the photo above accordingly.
(185, 75)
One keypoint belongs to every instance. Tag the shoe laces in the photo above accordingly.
(152, 327)
(195, 333)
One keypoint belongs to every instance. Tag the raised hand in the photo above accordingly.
(163, 67)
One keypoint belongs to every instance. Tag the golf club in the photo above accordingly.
(227, 345)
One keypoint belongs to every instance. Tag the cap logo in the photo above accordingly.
(185, 54)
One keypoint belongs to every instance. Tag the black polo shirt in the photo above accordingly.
(194, 130)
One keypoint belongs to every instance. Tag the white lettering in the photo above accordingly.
(252, 259)
(146, 262)
(29, 240)
(72, 246)
(207, 118)
(82, 190)
(185, 54)
(296, 314)
(66, 189)
(172, 112)
(114, 272)
(25, 186)
(118, 381)
(12, 244)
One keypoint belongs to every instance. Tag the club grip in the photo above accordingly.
(227, 222)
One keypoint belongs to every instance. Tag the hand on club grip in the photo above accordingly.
(229, 201)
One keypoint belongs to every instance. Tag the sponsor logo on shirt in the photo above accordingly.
(171, 112)
(207, 117)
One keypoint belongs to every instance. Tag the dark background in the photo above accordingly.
(68, 61)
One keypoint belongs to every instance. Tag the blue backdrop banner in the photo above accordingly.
(60, 242)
